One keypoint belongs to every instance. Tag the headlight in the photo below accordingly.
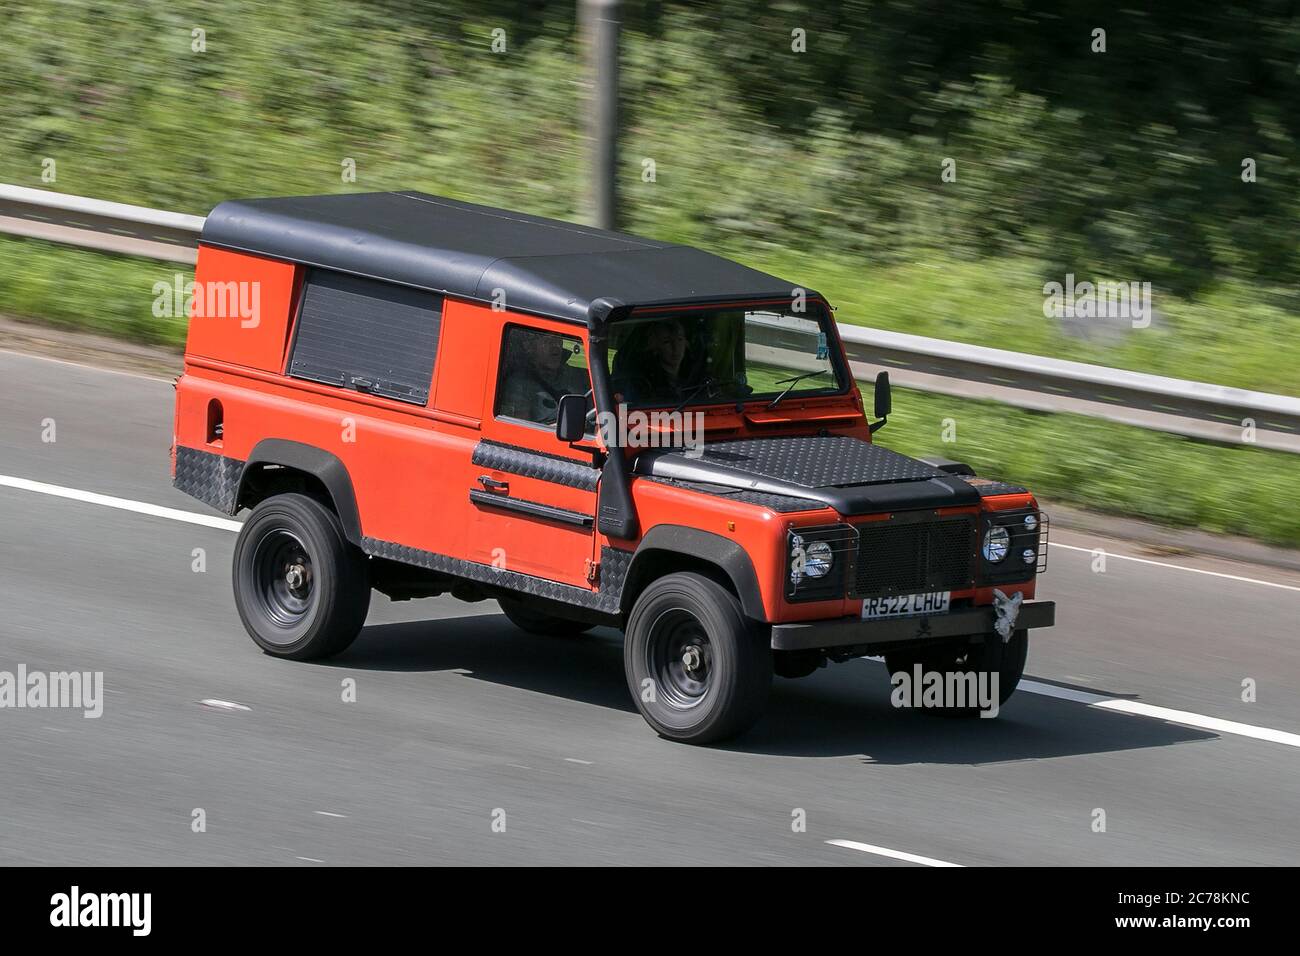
(818, 559)
(1031, 522)
(997, 542)
(811, 560)
(1029, 555)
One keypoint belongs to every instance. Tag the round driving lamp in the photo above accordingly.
(997, 542)
(818, 559)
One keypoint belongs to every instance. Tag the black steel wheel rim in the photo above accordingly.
(679, 658)
(283, 578)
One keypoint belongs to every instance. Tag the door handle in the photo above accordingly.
(492, 484)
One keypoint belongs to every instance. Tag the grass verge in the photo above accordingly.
(87, 290)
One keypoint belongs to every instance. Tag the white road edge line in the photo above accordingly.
(1034, 687)
(1200, 721)
(1176, 567)
(92, 368)
(124, 504)
(892, 854)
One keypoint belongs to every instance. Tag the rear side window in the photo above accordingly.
(367, 336)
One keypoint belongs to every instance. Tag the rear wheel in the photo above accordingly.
(698, 670)
(301, 589)
(535, 622)
(990, 657)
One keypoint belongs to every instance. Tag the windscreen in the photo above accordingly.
(725, 355)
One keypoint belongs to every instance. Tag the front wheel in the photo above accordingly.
(302, 590)
(698, 670)
(987, 660)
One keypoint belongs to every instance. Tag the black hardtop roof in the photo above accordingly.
(544, 266)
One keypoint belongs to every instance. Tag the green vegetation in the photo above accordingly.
(823, 167)
(83, 289)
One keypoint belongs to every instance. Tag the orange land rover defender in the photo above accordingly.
(423, 396)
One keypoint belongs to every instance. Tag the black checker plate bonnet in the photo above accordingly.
(818, 461)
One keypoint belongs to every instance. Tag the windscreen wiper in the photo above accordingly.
(793, 382)
(695, 390)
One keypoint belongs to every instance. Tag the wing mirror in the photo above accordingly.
(571, 418)
(884, 402)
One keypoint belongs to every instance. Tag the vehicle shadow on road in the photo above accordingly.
(845, 709)
(841, 710)
(584, 667)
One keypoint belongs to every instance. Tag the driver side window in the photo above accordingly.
(538, 368)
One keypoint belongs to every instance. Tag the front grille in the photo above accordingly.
(910, 556)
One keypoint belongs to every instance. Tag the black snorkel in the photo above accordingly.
(615, 512)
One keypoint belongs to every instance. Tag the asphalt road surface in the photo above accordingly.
(459, 719)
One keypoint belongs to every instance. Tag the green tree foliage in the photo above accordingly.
(1126, 162)
(823, 166)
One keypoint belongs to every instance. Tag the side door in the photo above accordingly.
(533, 499)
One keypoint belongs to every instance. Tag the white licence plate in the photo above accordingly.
(903, 605)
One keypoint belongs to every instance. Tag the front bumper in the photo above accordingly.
(852, 631)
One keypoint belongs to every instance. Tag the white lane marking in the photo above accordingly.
(1175, 567)
(308, 859)
(1216, 724)
(585, 763)
(326, 813)
(1137, 709)
(223, 704)
(892, 854)
(124, 504)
